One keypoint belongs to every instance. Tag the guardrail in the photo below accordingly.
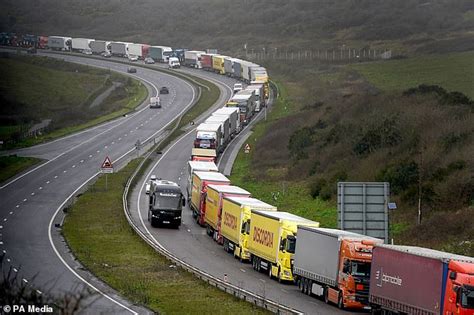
(210, 279)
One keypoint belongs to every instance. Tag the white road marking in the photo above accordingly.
(40, 188)
(81, 161)
(24, 200)
(105, 147)
(64, 171)
(4, 251)
(262, 280)
(74, 166)
(1, 243)
(56, 176)
(242, 270)
(119, 139)
(98, 151)
(39, 292)
(5, 220)
(8, 259)
(25, 281)
(17, 206)
(62, 259)
(32, 193)
(1, 226)
(47, 182)
(113, 142)
(14, 269)
(11, 212)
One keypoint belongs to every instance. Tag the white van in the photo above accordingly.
(173, 62)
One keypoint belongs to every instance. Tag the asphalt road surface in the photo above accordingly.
(191, 243)
(29, 240)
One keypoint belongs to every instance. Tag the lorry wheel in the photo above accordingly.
(326, 295)
(308, 287)
(340, 302)
(270, 271)
(300, 284)
(279, 277)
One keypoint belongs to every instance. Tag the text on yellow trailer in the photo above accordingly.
(272, 241)
(235, 225)
(218, 63)
(215, 195)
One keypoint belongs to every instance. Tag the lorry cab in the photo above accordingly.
(166, 203)
(459, 298)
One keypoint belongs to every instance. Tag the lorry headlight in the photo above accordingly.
(286, 273)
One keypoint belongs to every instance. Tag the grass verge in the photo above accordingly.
(292, 197)
(454, 72)
(12, 165)
(102, 240)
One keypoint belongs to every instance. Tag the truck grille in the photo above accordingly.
(362, 290)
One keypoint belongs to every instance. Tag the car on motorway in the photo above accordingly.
(164, 90)
(132, 70)
(149, 60)
(106, 54)
(132, 58)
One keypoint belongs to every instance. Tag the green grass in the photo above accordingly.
(102, 240)
(454, 72)
(72, 88)
(12, 165)
(292, 197)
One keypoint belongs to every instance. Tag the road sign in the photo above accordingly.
(138, 144)
(362, 207)
(107, 166)
(247, 148)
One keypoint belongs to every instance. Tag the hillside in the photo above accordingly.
(406, 26)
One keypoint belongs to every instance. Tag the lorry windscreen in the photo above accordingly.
(359, 268)
(167, 201)
(467, 297)
(290, 244)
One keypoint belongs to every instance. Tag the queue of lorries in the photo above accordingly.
(348, 269)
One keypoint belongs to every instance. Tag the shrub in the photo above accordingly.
(316, 187)
(400, 176)
(299, 141)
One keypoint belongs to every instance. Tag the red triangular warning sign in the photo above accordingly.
(107, 163)
(247, 147)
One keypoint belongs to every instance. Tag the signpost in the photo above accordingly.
(107, 168)
(247, 148)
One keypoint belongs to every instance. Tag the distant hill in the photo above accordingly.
(229, 25)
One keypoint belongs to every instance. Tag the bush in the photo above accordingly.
(400, 176)
(316, 187)
(384, 133)
(299, 141)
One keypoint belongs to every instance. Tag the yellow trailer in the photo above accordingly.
(235, 224)
(199, 189)
(215, 195)
(272, 241)
(218, 64)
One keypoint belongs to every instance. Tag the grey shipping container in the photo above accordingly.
(228, 67)
(119, 49)
(237, 69)
(225, 125)
(59, 42)
(99, 46)
(234, 118)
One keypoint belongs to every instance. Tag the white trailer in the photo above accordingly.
(259, 94)
(246, 65)
(225, 127)
(59, 42)
(192, 58)
(81, 44)
(234, 118)
(208, 136)
(99, 46)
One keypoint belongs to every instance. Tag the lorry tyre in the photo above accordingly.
(326, 295)
(340, 302)
(308, 287)
(278, 276)
(270, 271)
(300, 284)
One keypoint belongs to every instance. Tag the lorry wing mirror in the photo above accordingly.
(183, 200)
(452, 275)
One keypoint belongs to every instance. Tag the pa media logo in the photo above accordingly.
(7, 308)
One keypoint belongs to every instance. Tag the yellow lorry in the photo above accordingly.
(199, 185)
(235, 225)
(218, 64)
(215, 195)
(272, 242)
